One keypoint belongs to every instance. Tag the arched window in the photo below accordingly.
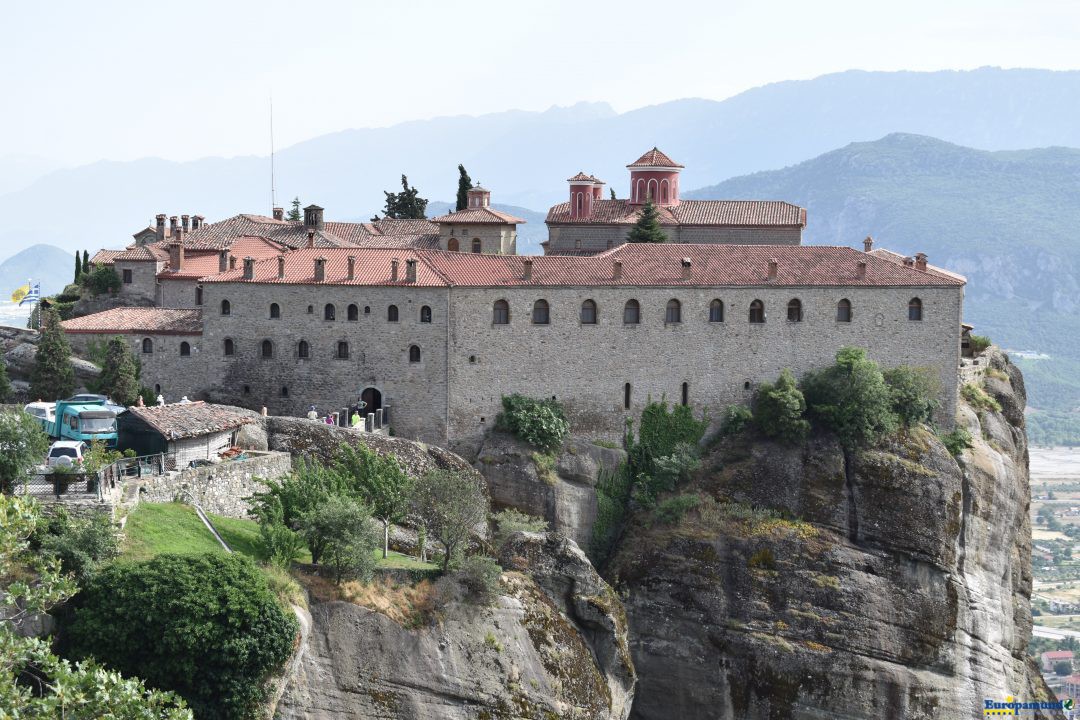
(500, 313)
(686, 393)
(914, 309)
(631, 314)
(352, 313)
(843, 311)
(226, 307)
(414, 354)
(452, 244)
(626, 396)
(664, 196)
(476, 246)
(185, 349)
(425, 314)
(229, 347)
(640, 190)
(275, 311)
(147, 346)
(652, 190)
(391, 313)
(267, 349)
(284, 391)
(794, 310)
(588, 313)
(342, 350)
(716, 311)
(541, 313)
(757, 312)
(674, 311)
(329, 312)
(579, 203)
(303, 350)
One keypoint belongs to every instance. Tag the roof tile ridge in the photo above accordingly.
(424, 256)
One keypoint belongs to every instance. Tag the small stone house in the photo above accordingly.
(190, 431)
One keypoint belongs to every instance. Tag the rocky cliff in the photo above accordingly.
(806, 582)
(552, 645)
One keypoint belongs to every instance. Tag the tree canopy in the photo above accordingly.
(379, 480)
(647, 228)
(405, 205)
(451, 505)
(22, 445)
(463, 186)
(52, 377)
(119, 375)
(294, 214)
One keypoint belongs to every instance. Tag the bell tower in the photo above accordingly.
(654, 176)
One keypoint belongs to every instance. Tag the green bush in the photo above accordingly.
(479, 575)
(662, 429)
(80, 544)
(736, 419)
(278, 545)
(851, 399)
(101, 281)
(763, 559)
(613, 488)
(204, 626)
(340, 530)
(672, 510)
(978, 399)
(956, 441)
(980, 343)
(671, 470)
(914, 393)
(541, 423)
(779, 409)
(510, 521)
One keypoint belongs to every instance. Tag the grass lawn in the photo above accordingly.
(156, 528)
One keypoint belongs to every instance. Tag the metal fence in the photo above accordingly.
(137, 467)
(84, 485)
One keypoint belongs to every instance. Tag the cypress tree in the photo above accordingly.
(52, 377)
(6, 392)
(405, 205)
(119, 377)
(647, 228)
(78, 267)
(612, 191)
(464, 184)
(294, 214)
(85, 261)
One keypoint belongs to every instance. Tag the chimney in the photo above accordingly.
(176, 257)
(616, 270)
(909, 262)
(920, 261)
(868, 244)
(352, 267)
(232, 262)
(196, 222)
(223, 261)
(772, 269)
(526, 269)
(313, 217)
(281, 267)
(410, 271)
(320, 268)
(185, 222)
(686, 268)
(160, 226)
(249, 268)
(311, 238)
(279, 213)
(393, 270)
(862, 269)
(174, 225)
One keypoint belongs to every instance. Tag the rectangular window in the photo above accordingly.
(127, 276)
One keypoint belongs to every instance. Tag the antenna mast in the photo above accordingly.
(273, 190)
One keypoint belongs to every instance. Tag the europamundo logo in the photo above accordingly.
(1012, 706)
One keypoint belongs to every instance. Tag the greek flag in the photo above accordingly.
(33, 296)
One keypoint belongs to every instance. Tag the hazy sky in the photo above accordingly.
(180, 80)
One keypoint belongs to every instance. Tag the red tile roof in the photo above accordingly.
(200, 263)
(643, 265)
(899, 259)
(105, 257)
(143, 253)
(391, 226)
(479, 216)
(191, 419)
(138, 320)
(654, 158)
(580, 177)
(1057, 655)
(732, 213)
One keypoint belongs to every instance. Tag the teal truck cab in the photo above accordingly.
(86, 421)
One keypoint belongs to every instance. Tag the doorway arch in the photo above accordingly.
(372, 396)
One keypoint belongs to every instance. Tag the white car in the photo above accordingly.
(42, 411)
(66, 452)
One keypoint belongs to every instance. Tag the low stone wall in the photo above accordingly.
(220, 489)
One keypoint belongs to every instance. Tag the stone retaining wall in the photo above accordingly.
(220, 489)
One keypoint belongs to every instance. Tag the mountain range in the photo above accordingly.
(525, 157)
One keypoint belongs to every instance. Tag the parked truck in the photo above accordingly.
(85, 421)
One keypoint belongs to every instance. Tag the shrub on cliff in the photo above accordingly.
(541, 423)
(339, 532)
(914, 393)
(451, 505)
(510, 521)
(205, 626)
(101, 280)
(851, 399)
(479, 576)
(736, 419)
(779, 409)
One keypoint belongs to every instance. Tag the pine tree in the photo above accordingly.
(85, 261)
(119, 377)
(405, 205)
(52, 377)
(647, 228)
(6, 392)
(464, 184)
(78, 267)
(612, 191)
(294, 214)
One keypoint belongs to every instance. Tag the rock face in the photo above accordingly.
(534, 653)
(20, 363)
(560, 489)
(901, 592)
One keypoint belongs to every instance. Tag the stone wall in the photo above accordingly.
(220, 489)
(494, 239)
(143, 285)
(597, 238)
(178, 293)
(164, 370)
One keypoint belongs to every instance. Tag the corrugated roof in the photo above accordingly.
(185, 420)
(139, 320)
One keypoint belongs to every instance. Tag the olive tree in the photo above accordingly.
(451, 505)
